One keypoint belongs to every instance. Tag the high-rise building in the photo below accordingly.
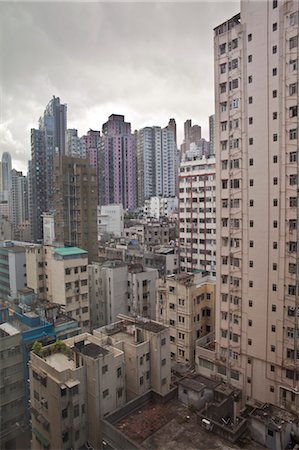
(212, 134)
(75, 204)
(5, 177)
(197, 215)
(18, 197)
(192, 135)
(73, 144)
(46, 141)
(256, 141)
(117, 172)
(172, 127)
(156, 163)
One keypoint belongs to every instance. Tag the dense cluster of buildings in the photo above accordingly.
(145, 286)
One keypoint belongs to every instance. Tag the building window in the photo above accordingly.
(274, 115)
(163, 341)
(293, 134)
(251, 182)
(273, 328)
(250, 79)
(250, 303)
(293, 42)
(274, 266)
(251, 244)
(272, 368)
(293, 179)
(250, 323)
(274, 26)
(249, 37)
(250, 120)
(275, 159)
(251, 141)
(293, 88)
(293, 157)
(275, 181)
(275, 202)
(249, 341)
(274, 93)
(274, 4)
(118, 372)
(275, 224)
(293, 111)
(251, 202)
(250, 263)
(274, 287)
(250, 100)
(249, 58)
(274, 49)
(105, 393)
(274, 245)
(273, 308)
(273, 348)
(275, 137)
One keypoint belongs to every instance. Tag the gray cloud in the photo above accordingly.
(149, 61)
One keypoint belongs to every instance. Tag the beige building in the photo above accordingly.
(145, 344)
(186, 303)
(197, 214)
(72, 386)
(60, 276)
(256, 92)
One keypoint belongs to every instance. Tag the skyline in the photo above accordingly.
(149, 62)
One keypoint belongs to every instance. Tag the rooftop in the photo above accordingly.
(198, 382)
(69, 251)
(155, 327)
(92, 350)
(171, 425)
(60, 362)
(6, 329)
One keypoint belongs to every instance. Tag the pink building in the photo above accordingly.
(117, 163)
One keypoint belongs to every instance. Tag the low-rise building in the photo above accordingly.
(145, 344)
(59, 275)
(111, 220)
(73, 384)
(186, 302)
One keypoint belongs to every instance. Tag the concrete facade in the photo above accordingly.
(197, 215)
(186, 303)
(256, 118)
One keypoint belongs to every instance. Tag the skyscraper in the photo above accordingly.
(156, 162)
(5, 172)
(47, 140)
(18, 201)
(117, 177)
(256, 140)
(192, 135)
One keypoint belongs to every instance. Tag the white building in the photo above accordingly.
(74, 146)
(156, 162)
(197, 215)
(256, 140)
(111, 220)
(159, 207)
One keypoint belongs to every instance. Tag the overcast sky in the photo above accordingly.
(148, 61)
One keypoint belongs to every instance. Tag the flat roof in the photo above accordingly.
(69, 251)
(60, 362)
(151, 326)
(8, 330)
(93, 350)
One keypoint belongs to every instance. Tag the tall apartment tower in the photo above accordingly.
(5, 178)
(197, 215)
(256, 141)
(117, 178)
(46, 141)
(156, 163)
(75, 204)
(18, 201)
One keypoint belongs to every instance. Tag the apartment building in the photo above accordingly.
(197, 215)
(75, 204)
(73, 384)
(108, 291)
(118, 288)
(12, 405)
(256, 140)
(12, 270)
(145, 344)
(60, 276)
(186, 303)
